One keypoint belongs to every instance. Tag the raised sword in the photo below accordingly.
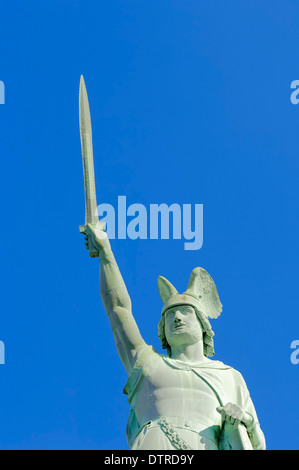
(91, 214)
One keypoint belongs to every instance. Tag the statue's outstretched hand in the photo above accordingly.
(234, 415)
(96, 239)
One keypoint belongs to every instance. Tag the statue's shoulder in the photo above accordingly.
(236, 375)
(218, 365)
(213, 364)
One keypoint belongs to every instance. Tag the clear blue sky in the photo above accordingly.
(190, 104)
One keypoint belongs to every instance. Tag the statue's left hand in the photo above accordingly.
(234, 415)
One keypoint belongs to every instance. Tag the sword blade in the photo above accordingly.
(91, 216)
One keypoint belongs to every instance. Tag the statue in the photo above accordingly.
(181, 400)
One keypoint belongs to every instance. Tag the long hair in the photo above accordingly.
(208, 333)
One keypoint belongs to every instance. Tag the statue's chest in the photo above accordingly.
(169, 391)
(164, 380)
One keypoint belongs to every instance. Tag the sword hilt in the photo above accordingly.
(93, 251)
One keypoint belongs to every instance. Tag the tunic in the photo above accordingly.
(173, 404)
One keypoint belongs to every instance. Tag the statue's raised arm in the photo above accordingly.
(113, 290)
(116, 299)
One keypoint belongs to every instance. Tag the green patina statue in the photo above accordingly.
(182, 400)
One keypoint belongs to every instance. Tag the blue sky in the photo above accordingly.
(190, 104)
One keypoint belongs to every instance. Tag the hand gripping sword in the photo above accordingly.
(91, 214)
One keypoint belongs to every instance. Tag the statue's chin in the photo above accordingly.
(182, 337)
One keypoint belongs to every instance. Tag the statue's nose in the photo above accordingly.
(177, 317)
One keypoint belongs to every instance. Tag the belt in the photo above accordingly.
(176, 440)
(171, 425)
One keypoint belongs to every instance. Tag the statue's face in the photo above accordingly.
(182, 326)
